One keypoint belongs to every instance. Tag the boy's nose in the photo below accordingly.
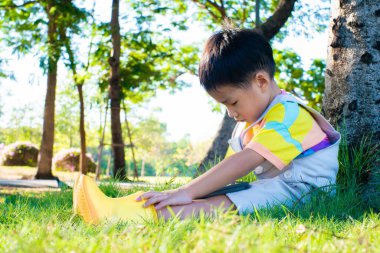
(231, 113)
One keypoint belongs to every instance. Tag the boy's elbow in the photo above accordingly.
(247, 160)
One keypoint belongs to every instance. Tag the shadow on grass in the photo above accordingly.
(320, 205)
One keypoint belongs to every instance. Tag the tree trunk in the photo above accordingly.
(82, 132)
(219, 146)
(135, 172)
(352, 87)
(79, 85)
(115, 95)
(46, 150)
(268, 29)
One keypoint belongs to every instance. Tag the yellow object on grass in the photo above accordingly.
(94, 206)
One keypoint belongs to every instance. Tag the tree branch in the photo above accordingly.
(203, 6)
(221, 8)
(244, 12)
(273, 24)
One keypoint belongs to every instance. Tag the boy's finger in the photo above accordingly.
(154, 200)
(146, 195)
(166, 202)
(162, 204)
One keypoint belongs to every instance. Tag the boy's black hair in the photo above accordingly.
(232, 57)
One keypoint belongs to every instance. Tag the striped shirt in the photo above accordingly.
(287, 131)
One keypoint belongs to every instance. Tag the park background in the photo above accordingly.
(161, 43)
(182, 121)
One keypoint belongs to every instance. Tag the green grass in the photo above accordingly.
(344, 222)
(31, 222)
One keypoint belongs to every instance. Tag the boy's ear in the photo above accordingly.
(262, 80)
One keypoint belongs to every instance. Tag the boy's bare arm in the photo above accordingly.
(225, 172)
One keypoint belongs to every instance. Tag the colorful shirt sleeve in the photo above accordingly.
(285, 132)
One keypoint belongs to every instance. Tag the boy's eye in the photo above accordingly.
(234, 103)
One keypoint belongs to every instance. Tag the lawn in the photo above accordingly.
(44, 222)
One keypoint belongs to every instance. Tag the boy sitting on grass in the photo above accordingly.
(290, 147)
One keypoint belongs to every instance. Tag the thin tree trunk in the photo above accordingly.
(268, 29)
(352, 87)
(46, 150)
(82, 131)
(257, 13)
(135, 172)
(79, 85)
(101, 144)
(115, 95)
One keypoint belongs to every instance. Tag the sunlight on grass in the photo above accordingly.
(46, 223)
(339, 222)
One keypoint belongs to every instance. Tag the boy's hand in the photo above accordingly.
(166, 198)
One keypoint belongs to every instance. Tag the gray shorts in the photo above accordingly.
(274, 186)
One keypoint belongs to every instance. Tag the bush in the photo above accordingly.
(68, 160)
(19, 154)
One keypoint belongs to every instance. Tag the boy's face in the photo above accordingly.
(245, 104)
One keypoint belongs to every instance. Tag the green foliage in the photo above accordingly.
(20, 133)
(305, 19)
(67, 117)
(292, 76)
(29, 27)
(162, 157)
(25, 23)
(150, 58)
(23, 125)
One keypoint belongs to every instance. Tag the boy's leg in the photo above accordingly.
(94, 206)
(207, 205)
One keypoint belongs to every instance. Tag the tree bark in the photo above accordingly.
(268, 29)
(352, 88)
(46, 150)
(115, 96)
(273, 24)
(82, 132)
